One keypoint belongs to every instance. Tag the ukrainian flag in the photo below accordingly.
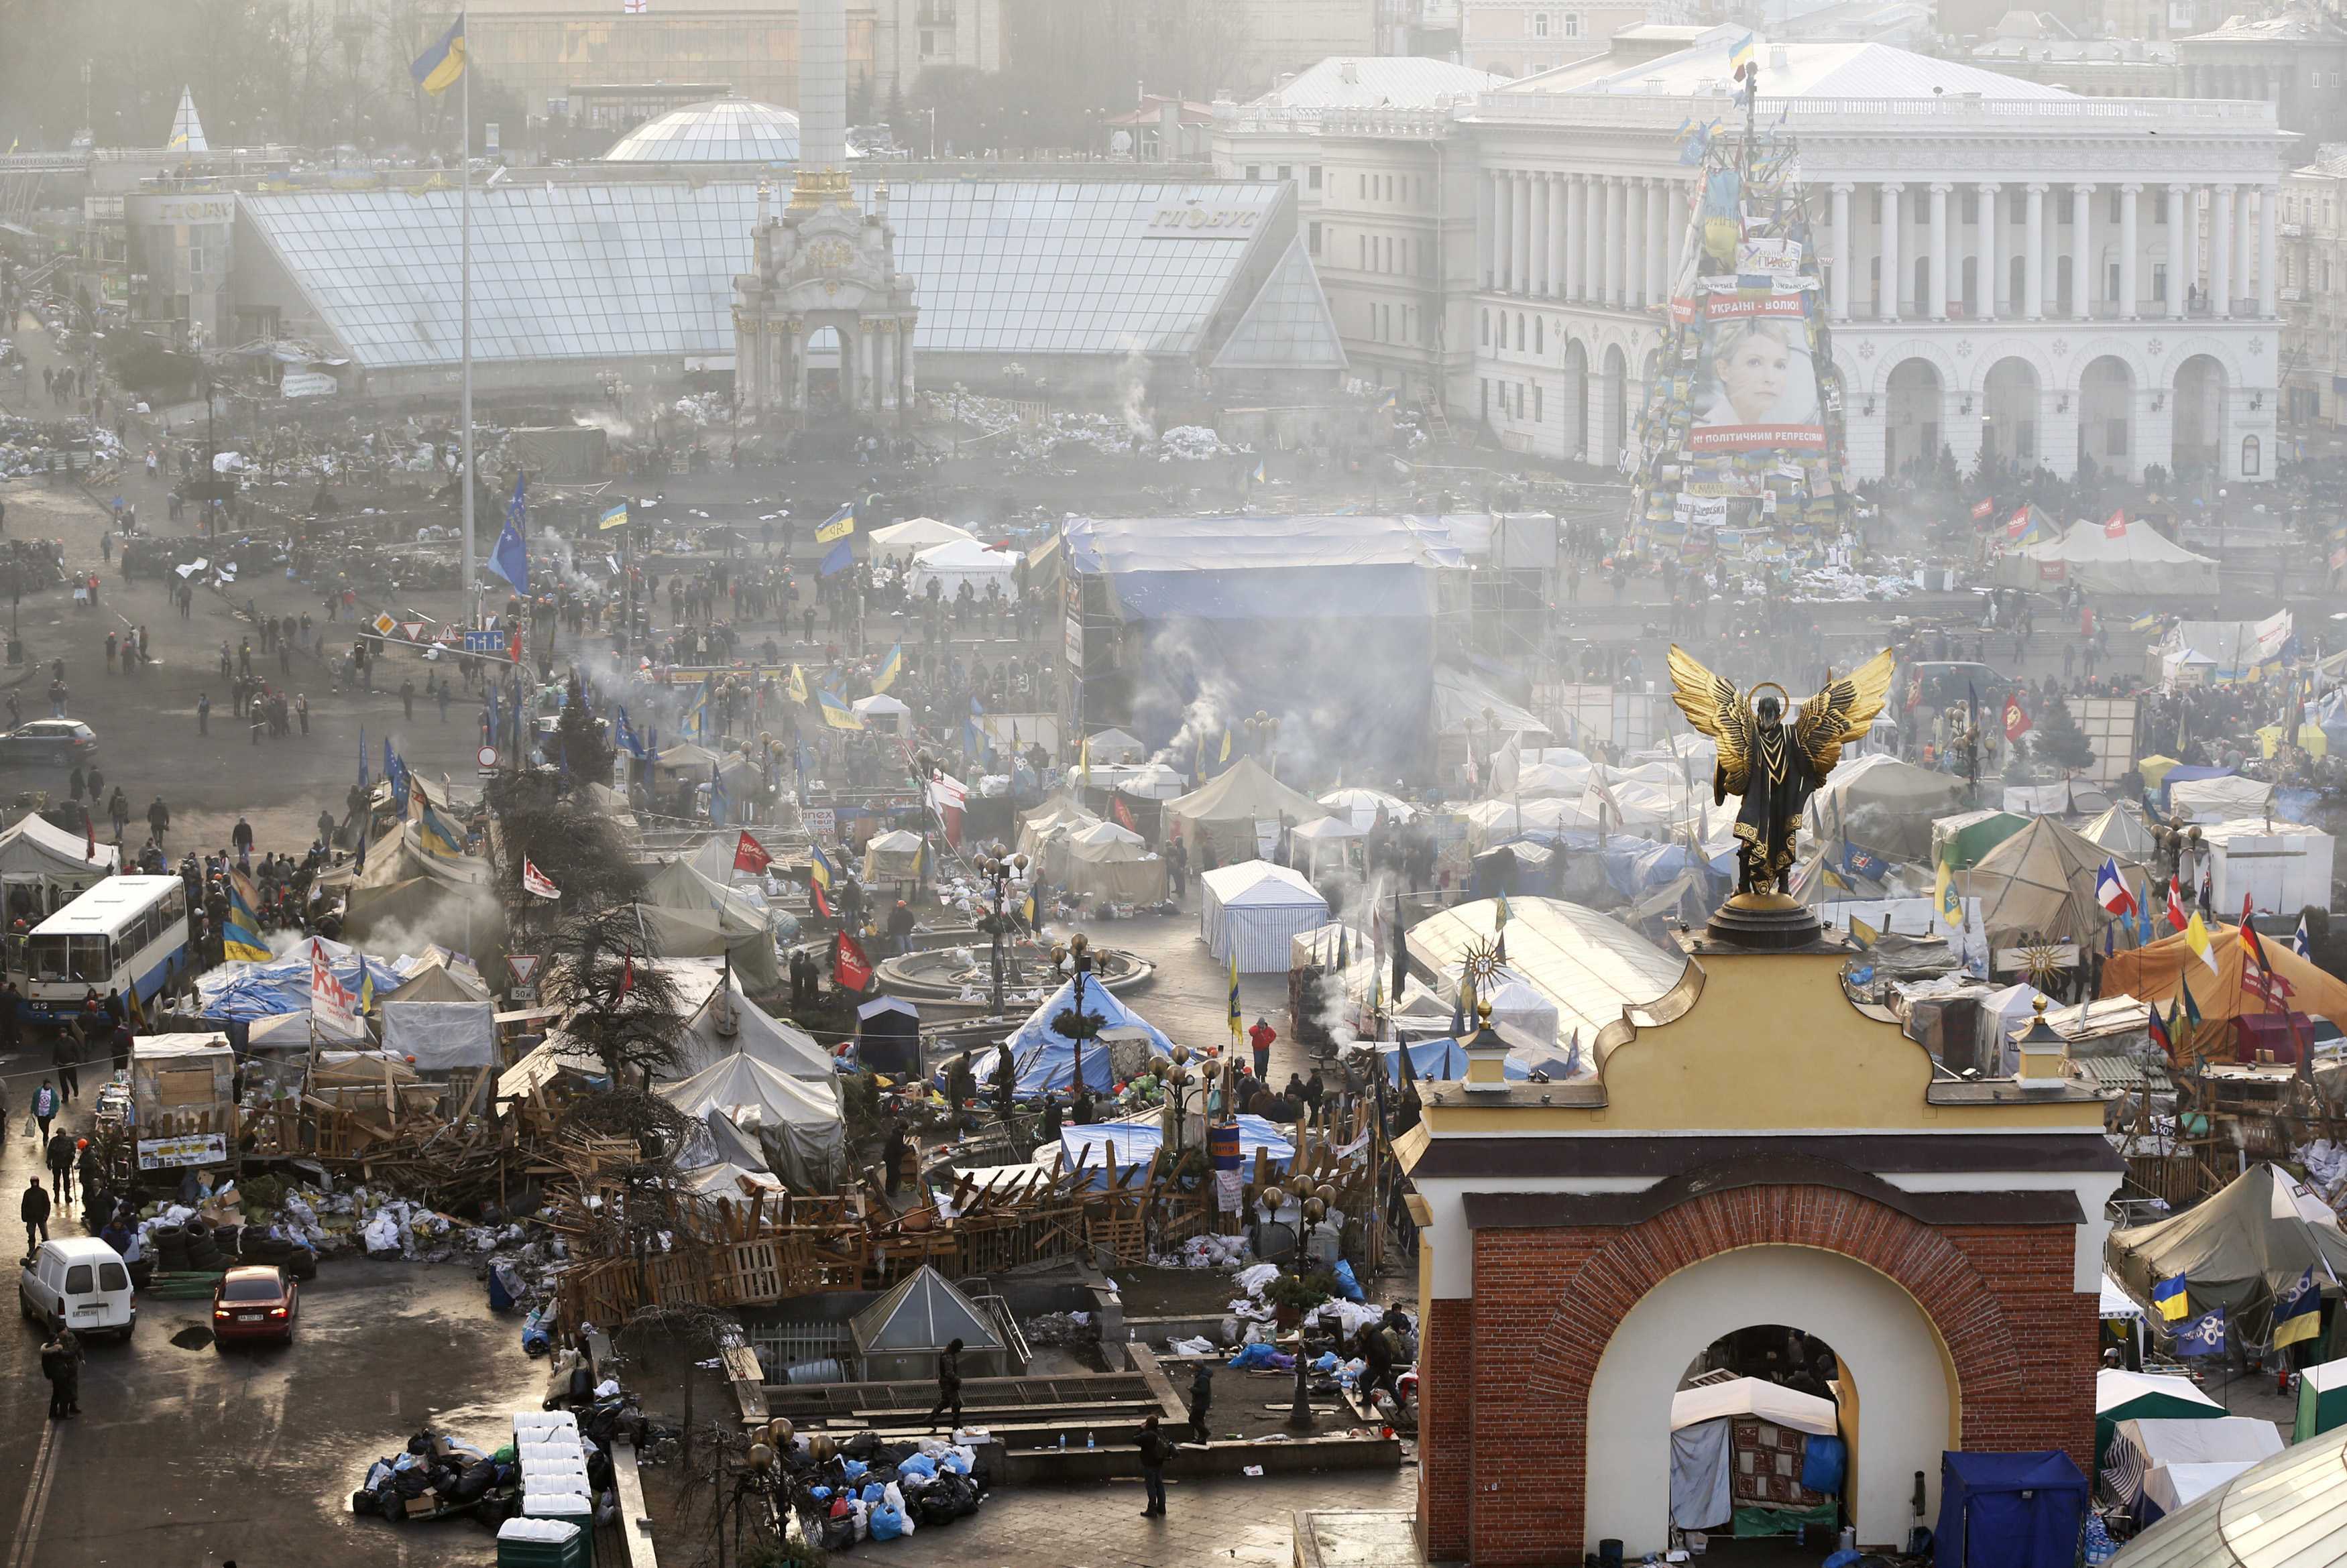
(837, 714)
(696, 714)
(798, 687)
(2169, 1299)
(614, 517)
(818, 868)
(436, 69)
(1234, 994)
(240, 928)
(890, 669)
(433, 836)
(839, 525)
(1740, 58)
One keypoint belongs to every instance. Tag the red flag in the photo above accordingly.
(1983, 506)
(750, 856)
(89, 834)
(2178, 917)
(2116, 525)
(627, 979)
(1125, 815)
(2016, 719)
(850, 970)
(822, 904)
(537, 883)
(2018, 526)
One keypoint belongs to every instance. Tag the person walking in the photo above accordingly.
(949, 1385)
(407, 698)
(44, 1106)
(57, 1367)
(35, 1212)
(1259, 1039)
(241, 839)
(158, 816)
(68, 1069)
(60, 1159)
(1156, 1447)
(1202, 1399)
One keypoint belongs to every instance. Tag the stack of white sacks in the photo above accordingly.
(553, 1458)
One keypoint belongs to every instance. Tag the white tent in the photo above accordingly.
(727, 1022)
(1769, 1402)
(1363, 804)
(2070, 796)
(800, 1124)
(1114, 746)
(1251, 908)
(959, 561)
(52, 865)
(2168, 1487)
(1550, 780)
(2220, 799)
(1152, 781)
(1110, 862)
(2281, 867)
(917, 533)
(2139, 1446)
(2136, 560)
(2123, 831)
(1324, 838)
(881, 712)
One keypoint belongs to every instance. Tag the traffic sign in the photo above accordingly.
(383, 625)
(485, 642)
(488, 756)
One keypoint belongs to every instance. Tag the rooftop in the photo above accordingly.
(2296, 27)
(721, 130)
(643, 268)
(1797, 70)
(1371, 82)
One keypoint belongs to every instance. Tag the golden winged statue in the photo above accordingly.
(1773, 767)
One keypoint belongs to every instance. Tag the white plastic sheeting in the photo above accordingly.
(441, 1037)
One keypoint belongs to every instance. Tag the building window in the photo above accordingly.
(1314, 233)
(1538, 400)
(195, 261)
(1363, 240)
(1254, 171)
(1312, 178)
(1573, 24)
(2251, 455)
(1520, 331)
(1286, 172)
(1540, 334)
(1540, 24)
(2159, 282)
(1483, 333)
(1364, 192)
(928, 42)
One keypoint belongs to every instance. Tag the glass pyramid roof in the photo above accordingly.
(1288, 326)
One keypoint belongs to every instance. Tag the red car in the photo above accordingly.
(255, 1301)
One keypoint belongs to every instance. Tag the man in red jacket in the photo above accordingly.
(1260, 1037)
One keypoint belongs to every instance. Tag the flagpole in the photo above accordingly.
(465, 310)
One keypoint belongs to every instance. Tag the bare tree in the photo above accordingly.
(611, 998)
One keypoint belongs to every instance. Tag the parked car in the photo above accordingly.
(78, 1282)
(61, 741)
(255, 1301)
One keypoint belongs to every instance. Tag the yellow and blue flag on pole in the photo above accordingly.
(2169, 1298)
(2298, 1311)
(839, 525)
(1944, 902)
(836, 713)
(1235, 998)
(434, 838)
(1740, 58)
(797, 689)
(890, 669)
(240, 928)
(436, 69)
(615, 516)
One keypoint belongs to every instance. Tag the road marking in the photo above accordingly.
(36, 1499)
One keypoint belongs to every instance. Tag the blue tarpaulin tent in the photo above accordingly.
(1444, 1059)
(2010, 1511)
(245, 991)
(2186, 773)
(1045, 1059)
(1125, 1147)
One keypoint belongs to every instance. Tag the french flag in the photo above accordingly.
(2111, 890)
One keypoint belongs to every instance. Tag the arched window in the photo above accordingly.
(1540, 334)
(1483, 327)
(1540, 24)
(2250, 456)
(1573, 24)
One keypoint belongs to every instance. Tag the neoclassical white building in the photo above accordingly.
(2011, 268)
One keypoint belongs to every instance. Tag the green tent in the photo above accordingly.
(2322, 1400)
(1961, 840)
(2124, 1396)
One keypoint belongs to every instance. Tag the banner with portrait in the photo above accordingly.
(1755, 380)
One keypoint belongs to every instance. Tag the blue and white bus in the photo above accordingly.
(125, 932)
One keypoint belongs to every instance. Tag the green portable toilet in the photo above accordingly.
(2322, 1400)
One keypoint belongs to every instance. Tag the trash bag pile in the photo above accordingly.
(1061, 1328)
(839, 1494)
(1217, 1252)
(438, 1476)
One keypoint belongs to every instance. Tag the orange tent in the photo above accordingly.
(2155, 973)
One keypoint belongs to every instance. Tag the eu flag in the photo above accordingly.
(509, 557)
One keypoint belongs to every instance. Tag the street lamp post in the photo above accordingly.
(1263, 731)
(1079, 956)
(1001, 868)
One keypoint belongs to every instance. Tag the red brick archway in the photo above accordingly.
(2002, 1298)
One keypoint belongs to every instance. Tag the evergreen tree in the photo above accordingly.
(2058, 740)
(580, 743)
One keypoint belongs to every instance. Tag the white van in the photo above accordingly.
(78, 1282)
